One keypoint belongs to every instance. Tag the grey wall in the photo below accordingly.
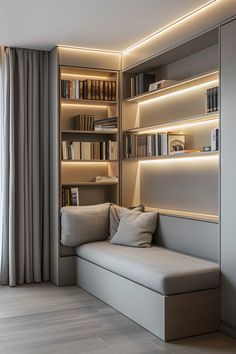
(194, 237)
(228, 173)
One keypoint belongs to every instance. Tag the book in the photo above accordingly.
(212, 104)
(161, 84)
(74, 196)
(176, 142)
(215, 139)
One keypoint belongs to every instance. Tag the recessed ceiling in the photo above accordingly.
(102, 24)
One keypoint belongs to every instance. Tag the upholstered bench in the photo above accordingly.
(171, 294)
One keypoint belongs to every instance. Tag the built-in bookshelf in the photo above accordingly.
(89, 136)
(170, 140)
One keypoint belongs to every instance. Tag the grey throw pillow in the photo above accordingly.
(135, 228)
(84, 224)
(114, 217)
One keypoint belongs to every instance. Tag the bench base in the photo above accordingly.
(168, 317)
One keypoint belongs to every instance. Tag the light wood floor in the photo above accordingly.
(44, 319)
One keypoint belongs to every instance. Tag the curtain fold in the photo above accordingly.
(24, 183)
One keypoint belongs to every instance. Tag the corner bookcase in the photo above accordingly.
(81, 173)
(182, 184)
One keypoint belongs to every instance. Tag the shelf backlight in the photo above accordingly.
(178, 91)
(185, 158)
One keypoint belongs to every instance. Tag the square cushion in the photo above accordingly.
(135, 228)
(84, 224)
(114, 217)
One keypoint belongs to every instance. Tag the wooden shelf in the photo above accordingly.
(92, 184)
(166, 126)
(69, 101)
(88, 132)
(180, 85)
(166, 157)
(78, 161)
(185, 214)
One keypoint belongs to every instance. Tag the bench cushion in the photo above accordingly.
(159, 269)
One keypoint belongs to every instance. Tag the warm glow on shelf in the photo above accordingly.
(81, 162)
(206, 156)
(205, 120)
(171, 26)
(93, 77)
(102, 106)
(179, 90)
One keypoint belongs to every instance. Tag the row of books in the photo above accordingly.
(102, 90)
(109, 124)
(84, 122)
(89, 150)
(212, 99)
(140, 83)
(147, 145)
(90, 123)
(70, 196)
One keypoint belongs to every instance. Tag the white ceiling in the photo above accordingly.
(101, 24)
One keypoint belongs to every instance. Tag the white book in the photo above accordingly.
(76, 89)
(77, 150)
(149, 145)
(73, 89)
(86, 150)
(74, 196)
(164, 144)
(64, 151)
(72, 148)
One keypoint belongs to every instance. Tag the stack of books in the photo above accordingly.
(106, 179)
(140, 83)
(84, 122)
(212, 101)
(150, 145)
(70, 196)
(101, 90)
(89, 150)
(109, 124)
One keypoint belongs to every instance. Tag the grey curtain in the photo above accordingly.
(24, 153)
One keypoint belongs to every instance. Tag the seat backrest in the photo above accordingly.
(193, 237)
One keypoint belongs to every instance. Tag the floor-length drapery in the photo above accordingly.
(24, 181)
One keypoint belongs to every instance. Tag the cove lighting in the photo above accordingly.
(176, 126)
(81, 162)
(69, 104)
(187, 158)
(85, 76)
(171, 25)
(180, 91)
(106, 51)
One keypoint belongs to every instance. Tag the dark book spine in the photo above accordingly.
(85, 89)
(113, 90)
(109, 91)
(88, 90)
(62, 89)
(136, 85)
(81, 87)
(93, 92)
(97, 90)
(106, 88)
(101, 90)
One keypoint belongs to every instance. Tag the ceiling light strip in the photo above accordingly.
(181, 19)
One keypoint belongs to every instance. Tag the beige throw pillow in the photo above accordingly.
(84, 224)
(135, 228)
(114, 217)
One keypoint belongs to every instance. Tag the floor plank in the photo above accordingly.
(45, 319)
